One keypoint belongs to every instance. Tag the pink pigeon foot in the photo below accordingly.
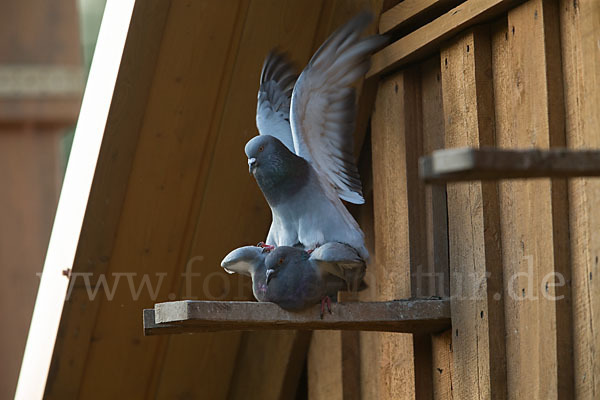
(266, 247)
(325, 300)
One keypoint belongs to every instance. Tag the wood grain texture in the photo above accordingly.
(324, 365)
(413, 13)
(441, 345)
(435, 195)
(436, 273)
(479, 369)
(427, 39)
(268, 365)
(580, 35)
(534, 227)
(351, 376)
(465, 164)
(393, 121)
(416, 315)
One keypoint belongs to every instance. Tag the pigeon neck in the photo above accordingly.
(284, 181)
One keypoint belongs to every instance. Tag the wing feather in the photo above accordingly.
(323, 106)
(277, 80)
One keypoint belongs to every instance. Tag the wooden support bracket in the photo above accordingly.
(466, 164)
(408, 316)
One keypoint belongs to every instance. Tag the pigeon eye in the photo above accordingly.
(280, 261)
(261, 148)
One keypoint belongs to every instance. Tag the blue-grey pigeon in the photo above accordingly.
(296, 279)
(304, 186)
(303, 279)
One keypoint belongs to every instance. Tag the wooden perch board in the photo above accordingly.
(409, 316)
(465, 164)
(427, 39)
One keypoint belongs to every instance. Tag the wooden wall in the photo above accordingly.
(171, 195)
(522, 255)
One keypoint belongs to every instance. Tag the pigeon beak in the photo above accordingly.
(251, 164)
(270, 274)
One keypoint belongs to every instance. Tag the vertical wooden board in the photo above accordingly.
(475, 266)
(580, 29)
(215, 354)
(351, 373)
(435, 195)
(268, 365)
(436, 267)
(529, 110)
(442, 365)
(390, 127)
(368, 340)
(325, 366)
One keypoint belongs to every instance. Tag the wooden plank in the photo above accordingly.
(413, 13)
(580, 35)
(528, 80)
(441, 345)
(351, 385)
(435, 196)
(466, 164)
(436, 269)
(427, 39)
(393, 121)
(259, 374)
(479, 369)
(324, 363)
(391, 316)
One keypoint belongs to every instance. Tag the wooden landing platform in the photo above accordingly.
(466, 164)
(409, 316)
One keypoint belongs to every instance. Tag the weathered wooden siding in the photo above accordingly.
(522, 254)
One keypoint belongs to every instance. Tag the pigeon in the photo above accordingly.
(297, 279)
(304, 186)
(309, 278)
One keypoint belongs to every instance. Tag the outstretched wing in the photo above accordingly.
(273, 107)
(323, 108)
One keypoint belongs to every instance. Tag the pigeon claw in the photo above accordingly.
(266, 247)
(325, 300)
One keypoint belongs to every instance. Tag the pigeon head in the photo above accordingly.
(281, 258)
(266, 154)
(276, 169)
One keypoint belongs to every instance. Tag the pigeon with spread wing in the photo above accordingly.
(304, 184)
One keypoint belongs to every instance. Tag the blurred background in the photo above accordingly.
(46, 49)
